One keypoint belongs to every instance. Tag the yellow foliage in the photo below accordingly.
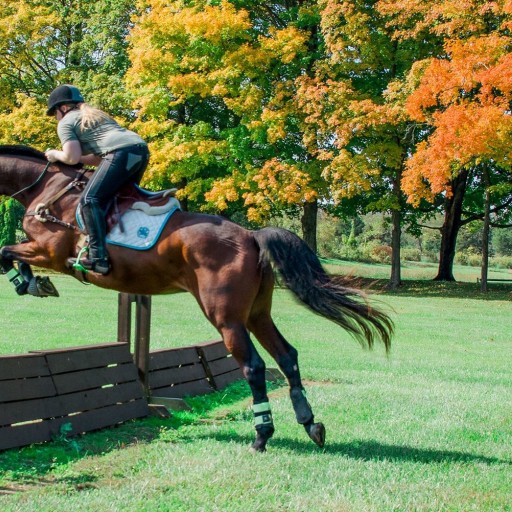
(285, 43)
(28, 124)
(349, 175)
(223, 191)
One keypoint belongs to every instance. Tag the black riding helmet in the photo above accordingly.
(62, 95)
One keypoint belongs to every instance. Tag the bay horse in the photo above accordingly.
(228, 269)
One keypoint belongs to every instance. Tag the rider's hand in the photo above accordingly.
(51, 155)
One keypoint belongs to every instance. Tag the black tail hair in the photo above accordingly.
(302, 272)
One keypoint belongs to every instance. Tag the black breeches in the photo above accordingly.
(115, 170)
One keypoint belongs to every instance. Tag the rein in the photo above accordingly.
(40, 177)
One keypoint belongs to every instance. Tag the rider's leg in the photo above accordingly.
(116, 169)
(95, 226)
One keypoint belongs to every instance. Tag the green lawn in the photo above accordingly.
(428, 428)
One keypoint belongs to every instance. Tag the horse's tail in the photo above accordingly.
(302, 272)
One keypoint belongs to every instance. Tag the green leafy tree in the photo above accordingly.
(11, 215)
(356, 111)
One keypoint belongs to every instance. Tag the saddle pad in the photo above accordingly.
(140, 231)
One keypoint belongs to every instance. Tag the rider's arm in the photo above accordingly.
(71, 153)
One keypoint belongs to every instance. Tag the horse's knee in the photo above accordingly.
(6, 262)
(4, 252)
(254, 370)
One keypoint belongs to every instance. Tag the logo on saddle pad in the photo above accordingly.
(143, 232)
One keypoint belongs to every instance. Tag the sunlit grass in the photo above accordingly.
(428, 428)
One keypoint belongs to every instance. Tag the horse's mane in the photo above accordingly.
(21, 151)
(27, 151)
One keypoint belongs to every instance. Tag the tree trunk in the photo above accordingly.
(396, 234)
(451, 227)
(309, 224)
(396, 279)
(485, 232)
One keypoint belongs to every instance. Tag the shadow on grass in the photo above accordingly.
(441, 289)
(34, 465)
(368, 450)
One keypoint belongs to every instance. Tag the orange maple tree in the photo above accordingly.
(461, 99)
(463, 94)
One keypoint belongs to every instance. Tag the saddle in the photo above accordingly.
(133, 197)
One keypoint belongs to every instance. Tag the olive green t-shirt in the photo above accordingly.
(99, 139)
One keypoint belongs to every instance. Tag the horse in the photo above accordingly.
(231, 272)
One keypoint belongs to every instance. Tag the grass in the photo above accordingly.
(428, 428)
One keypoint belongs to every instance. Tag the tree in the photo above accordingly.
(11, 214)
(44, 43)
(356, 111)
(216, 87)
(463, 94)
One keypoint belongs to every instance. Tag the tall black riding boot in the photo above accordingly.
(95, 225)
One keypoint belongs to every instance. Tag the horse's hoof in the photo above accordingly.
(317, 433)
(258, 447)
(42, 287)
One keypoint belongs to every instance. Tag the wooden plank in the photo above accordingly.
(92, 356)
(142, 336)
(212, 350)
(170, 376)
(170, 358)
(29, 433)
(23, 366)
(94, 378)
(221, 381)
(198, 387)
(29, 410)
(223, 365)
(124, 317)
(101, 418)
(174, 404)
(25, 389)
(13, 437)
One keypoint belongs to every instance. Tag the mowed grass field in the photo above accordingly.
(427, 428)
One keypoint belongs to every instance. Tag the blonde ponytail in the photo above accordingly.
(92, 116)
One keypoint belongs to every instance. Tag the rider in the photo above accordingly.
(90, 136)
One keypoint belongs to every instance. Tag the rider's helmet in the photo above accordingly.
(62, 95)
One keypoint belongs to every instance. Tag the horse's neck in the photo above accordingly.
(18, 174)
(29, 179)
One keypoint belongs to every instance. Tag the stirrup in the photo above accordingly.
(42, 287)
(98, 265)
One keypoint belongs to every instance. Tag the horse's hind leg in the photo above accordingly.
(286, 356)
(237, 340)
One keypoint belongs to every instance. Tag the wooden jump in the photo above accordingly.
(48, 393)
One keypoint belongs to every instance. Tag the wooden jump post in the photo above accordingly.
(168, 375)
(142, 330)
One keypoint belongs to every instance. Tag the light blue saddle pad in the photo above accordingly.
(136, 229)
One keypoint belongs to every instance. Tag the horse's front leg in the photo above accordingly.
(22, 277)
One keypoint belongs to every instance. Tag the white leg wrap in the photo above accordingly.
(262, 414)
